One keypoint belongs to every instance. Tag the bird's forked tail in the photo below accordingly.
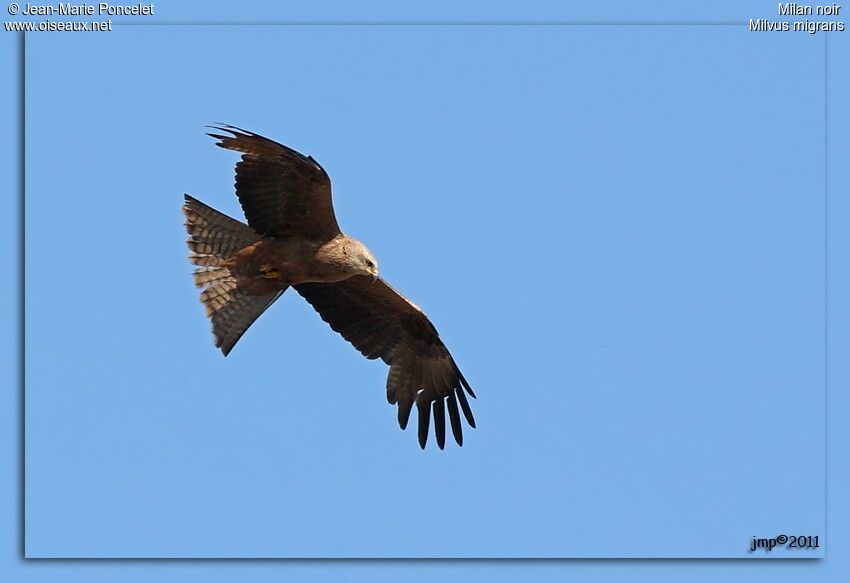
(213, 239)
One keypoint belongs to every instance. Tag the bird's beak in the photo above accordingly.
(375, 275)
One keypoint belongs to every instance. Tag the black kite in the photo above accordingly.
(292, 239)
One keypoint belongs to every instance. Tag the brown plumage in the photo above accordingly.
(292, 239)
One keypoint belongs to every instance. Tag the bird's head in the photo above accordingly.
(362, 261)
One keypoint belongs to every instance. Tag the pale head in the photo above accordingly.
(359, 260)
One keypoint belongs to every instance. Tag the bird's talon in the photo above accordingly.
(268, 271)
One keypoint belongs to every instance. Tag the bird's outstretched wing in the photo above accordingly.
(381, 323)
(282, 192)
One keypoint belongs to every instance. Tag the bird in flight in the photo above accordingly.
(292, 239)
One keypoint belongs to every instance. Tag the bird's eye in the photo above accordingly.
(369, 263)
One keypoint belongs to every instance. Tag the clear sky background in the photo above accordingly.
(618, 231)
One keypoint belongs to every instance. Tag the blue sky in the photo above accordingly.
(618, 231)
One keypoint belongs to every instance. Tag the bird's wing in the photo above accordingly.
(381, 323)
(282, 192)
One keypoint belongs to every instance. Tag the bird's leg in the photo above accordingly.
(268, 271)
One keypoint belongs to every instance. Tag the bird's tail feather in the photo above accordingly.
(213, 239)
